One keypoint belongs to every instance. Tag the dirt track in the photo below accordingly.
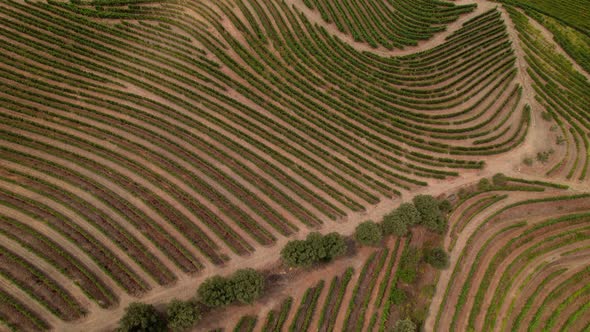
(265, 256)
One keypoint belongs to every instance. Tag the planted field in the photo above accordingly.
(391, 24)
(148, 145)
(510, 258)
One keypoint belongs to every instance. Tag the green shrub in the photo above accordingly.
(445, 206)
(559, 140)
(182, 315)
(546, 116)
(430, 215)
(428, 291)
(463, 193)
(244, 285)
(409, 265)
(368, 233)
(247, 285)
(216, 292)
(398, 221)
(499, 180)
(394, 223)
(528, 161)
(405, 325)
(141, 317)
(437, 257)
(398, 296)
(544, 155)
(334, 245)
(314, 248)
(484, 184)
(407, 276)
(298, 253)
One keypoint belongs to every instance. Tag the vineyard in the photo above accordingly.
(147, 145)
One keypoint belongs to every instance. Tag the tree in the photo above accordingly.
(182, 315)
(398, 296)
(430, 214)
(444, 206)
(500, 180)
(398, 221)
(247, 285)
(405, 325)
(393, 223)
(409, 214)
(141, 317)
(315, 241)
(484, 184)
(368, 233)
(316, 247)
(298, 253)
(216, 292)
(334, 245)
(437, 257)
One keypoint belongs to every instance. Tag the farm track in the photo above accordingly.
(200, 145)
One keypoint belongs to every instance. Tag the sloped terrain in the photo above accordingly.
(147, 145)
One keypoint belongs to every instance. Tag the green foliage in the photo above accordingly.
(368, 233)
(314, 248)
(428, 291)
(140, 317)
(298, 253)
(409, 265)
(463, 193)
(334, 245)
(528, 161)
(399, 220)
(499, 180)
(182, 315)
(247, 285)
(398, 296)
(484, 184)
(393, 223)
(405, 325)
(445, 206)
(430, 214)
(244, 285)
(543, 156)
(216, 292)
(437, 257)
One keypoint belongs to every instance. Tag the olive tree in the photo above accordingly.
(368, 233)
(216, 292)
(437, 257)
(182, 315)
(405, 325)
(247, 285)
(141, 317)
(430, 214)
(400, 219)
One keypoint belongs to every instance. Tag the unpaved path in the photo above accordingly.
(103, 319)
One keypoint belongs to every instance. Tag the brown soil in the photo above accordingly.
(543, 209)
(73, 268)
(101, 254)
(363, 292)
(38, 283)
(98, 219)
(21, 320)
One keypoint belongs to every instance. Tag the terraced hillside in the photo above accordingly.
(147, 145)
(391, 24)
(520, 263)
